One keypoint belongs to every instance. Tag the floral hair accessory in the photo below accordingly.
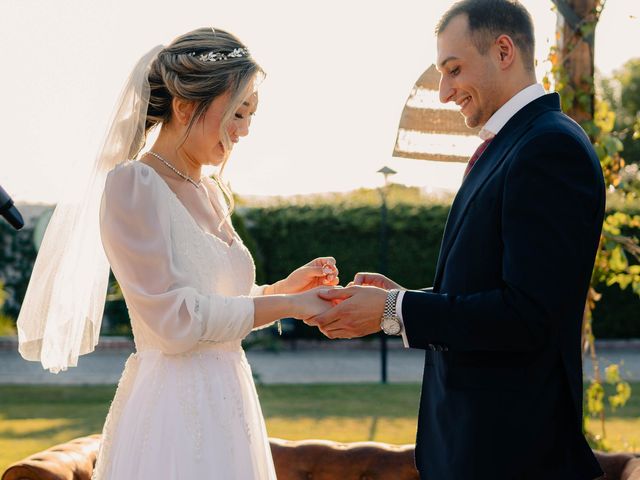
(219, 56)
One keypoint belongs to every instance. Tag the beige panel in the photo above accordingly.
(430, 79)
(429, 120)
(432, 121)
(429, 156)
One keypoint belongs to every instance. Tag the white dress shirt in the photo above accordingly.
(490, 130)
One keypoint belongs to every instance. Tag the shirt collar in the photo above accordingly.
(509, 109)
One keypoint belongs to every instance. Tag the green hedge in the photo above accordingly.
(288, 237)
(17, 255)
(617, 314)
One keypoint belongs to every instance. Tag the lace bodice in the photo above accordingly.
(184, 287)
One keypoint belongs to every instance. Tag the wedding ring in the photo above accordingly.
(327, 269)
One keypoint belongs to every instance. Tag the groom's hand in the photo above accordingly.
(374, 280)
(359, 312)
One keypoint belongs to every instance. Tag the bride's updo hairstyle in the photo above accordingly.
(179, 71)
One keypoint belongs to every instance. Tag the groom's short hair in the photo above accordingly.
(489, 19)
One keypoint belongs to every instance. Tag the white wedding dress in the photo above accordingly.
(186, 405)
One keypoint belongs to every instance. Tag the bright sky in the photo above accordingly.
(338, 76)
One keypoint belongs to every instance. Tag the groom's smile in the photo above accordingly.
(463, 103)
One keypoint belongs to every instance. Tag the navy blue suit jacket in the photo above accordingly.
(502, 389)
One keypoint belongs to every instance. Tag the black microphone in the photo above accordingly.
(8, 211)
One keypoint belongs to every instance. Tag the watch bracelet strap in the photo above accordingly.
(390, 304)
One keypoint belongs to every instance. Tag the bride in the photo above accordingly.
(186, 405)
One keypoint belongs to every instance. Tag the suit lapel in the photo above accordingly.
(491, 159)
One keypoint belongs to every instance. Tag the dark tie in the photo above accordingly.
(476, 155)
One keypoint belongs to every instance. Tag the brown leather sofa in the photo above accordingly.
(301, 460)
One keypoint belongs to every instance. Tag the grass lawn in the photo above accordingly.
(33, 418)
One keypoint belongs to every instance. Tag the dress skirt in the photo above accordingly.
(189, 416)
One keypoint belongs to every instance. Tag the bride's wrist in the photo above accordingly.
(296, 305)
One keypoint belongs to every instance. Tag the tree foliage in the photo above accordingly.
(622, 92)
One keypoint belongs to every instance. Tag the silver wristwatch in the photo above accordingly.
(390, 323)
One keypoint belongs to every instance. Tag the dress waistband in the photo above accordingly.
(200, 348)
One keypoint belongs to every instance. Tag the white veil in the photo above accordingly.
(62, 310)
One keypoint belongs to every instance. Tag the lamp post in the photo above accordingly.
(386, 172)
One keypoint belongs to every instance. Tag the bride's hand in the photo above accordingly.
(321, 272)
(308, 304)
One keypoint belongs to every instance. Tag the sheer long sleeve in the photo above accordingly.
(135, 227)
(258, 290)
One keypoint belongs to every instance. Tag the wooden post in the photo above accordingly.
(576, 33)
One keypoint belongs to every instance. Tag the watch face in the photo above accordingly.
(391, 326)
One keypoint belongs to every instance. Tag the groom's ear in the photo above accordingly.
(504, 51)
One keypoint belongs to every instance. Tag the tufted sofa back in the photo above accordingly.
(294, 460)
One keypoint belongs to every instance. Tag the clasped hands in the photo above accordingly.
(348, 312)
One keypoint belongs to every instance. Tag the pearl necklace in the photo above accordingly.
(176, 171)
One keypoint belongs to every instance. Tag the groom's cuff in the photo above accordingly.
(403, 332)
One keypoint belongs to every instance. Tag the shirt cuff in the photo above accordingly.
(403, 332)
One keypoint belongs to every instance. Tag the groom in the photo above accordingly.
(502, 387)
